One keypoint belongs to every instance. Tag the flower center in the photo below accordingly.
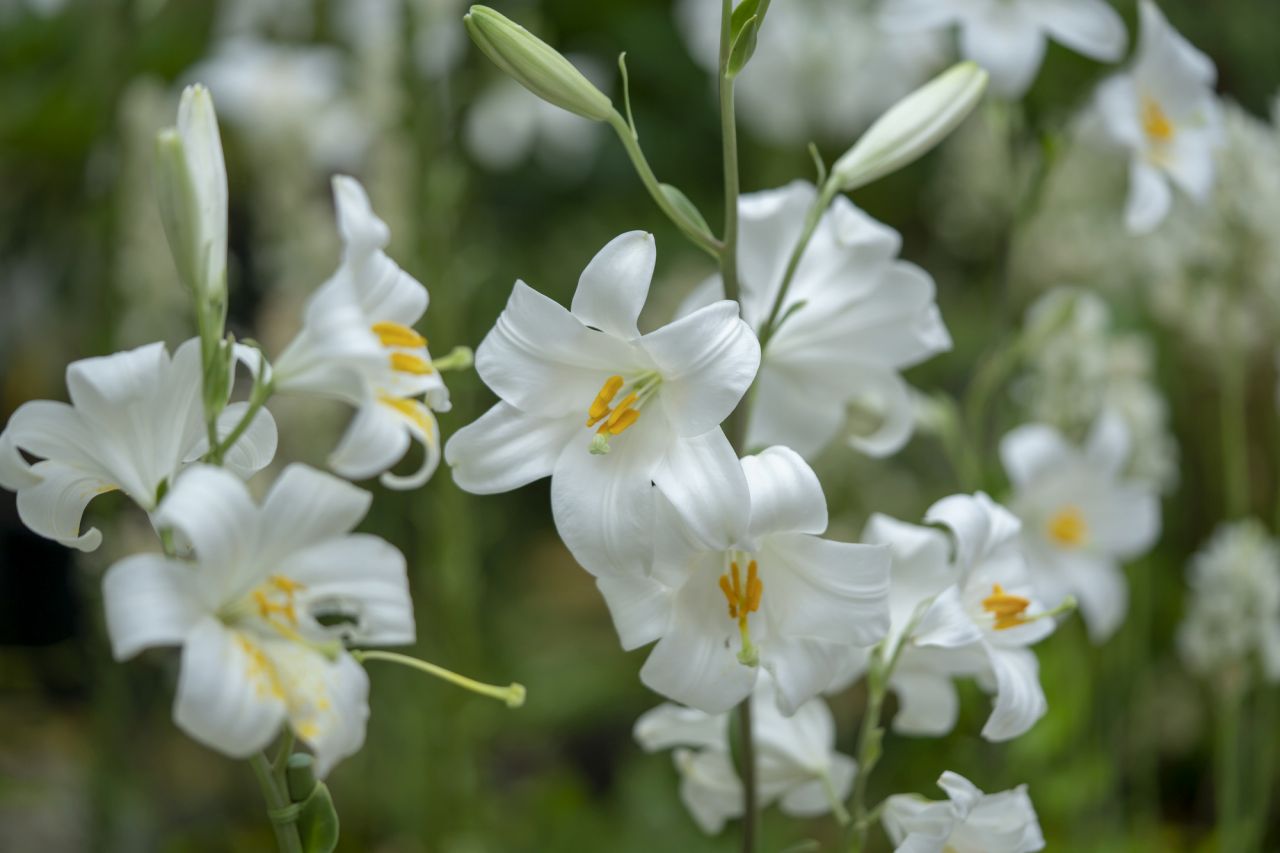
(1009, 610)
(396, 337)
(743, 601)
(274, 602)
(1155, 121)
(615, 420)
(1067, 528)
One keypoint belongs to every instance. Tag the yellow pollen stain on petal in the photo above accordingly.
(408, 363)
(1008, 610)
(261, 671)
(417, 413)
(397, 335)
(599, 409)
(1155, 121)
(1067, 528)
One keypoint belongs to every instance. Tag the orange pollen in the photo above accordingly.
(616, 419)
(414, 411)
(409, 363)
(1067, 528)
(1009, 610)
(397, 335)
(742, 601)
(1155, 122)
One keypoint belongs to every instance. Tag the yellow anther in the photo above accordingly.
(1155, 122)
(416, 412)
(396, 335)
(285, 585)
(408, 363)
(1067, 527)
(743, 601)
(1009, 610)
(622, 416)
(600, 405)
(729, 596)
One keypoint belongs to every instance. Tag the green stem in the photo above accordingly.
(631, 143)
(729, 144)
(750, 818)
(1234, 433)
(513, 694)
(277, 799)
(820, 204)
(870, 740)
(256, 402)
(1227, 761)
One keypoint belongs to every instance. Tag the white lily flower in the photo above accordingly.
(248, 612)
(134, 420)
(1008, 37)
(1164, 111)
(969, 821)
(796, 761)
(1081, 517)
(605, 411)
(860, 316)
(358, 345)
(779, 598)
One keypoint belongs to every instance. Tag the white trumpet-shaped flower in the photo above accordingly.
(1008, 37)
(855, 317)
(796, 761)
(1080, 516)
(134, 420)
(778, 598)
(358, 345)
(1164, 111)
(606, 411)
(968, 821)
(263, 611)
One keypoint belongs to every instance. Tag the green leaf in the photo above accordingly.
(318, 821)
(687, 210)
(744, 11)
(744, 45)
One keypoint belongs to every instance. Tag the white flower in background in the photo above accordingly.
(969, 614)
(357, 344)
(506, 124)
(796, 761)
(822, 69)
(439, 37)
(779, 598)
(1008, 37)
(134, 420)
(969, 821)
(1080, 517)
(859, 317)
(1233, 606)
(1165, 112)
(278, 94)
(606, 411)
(262, 614)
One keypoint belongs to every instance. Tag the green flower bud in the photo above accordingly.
(536, 65)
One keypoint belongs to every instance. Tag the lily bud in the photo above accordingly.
(912, 126)
(536, 65)
(192, 185)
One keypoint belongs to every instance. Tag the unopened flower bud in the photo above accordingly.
(536, 65)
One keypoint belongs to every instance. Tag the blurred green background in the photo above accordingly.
(89, 756)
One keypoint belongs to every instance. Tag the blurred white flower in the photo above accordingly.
(135, 419)
(822, 69)
(606, 411)
(1165, 112)
(1008, 37)
(358, 345)
(796, 761)
(507, 124)
(780, 598)
(1233, 606)
(969, 821)
(1081, 518)
(859, 316)
(276, 93)
(247, 613)
(439, 37)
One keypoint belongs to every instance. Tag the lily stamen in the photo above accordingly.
(743, 601)
(1009, 610)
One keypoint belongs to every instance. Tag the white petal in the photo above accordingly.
(614, 286)
(52, 431)
(252, 452)
(211, 507)
(909, 16)
(639, 605)
(964, 795)
(54, 506)
(1149, 198)
(327, 700)
(1089, 27)
(1003, 821)
(15, 471)
(150, 600)
(544, 361)
(230, 696)
(98, 386)
(703, 480)
(1019, 701)
(1168, 54)
(786, 496)
(361, 578)
(1102, 591)
(385, 292)
(709, 788)
(1191, 162)
(707, 361)
(306, 506)
(375, 440)
(928, 704)
(802, 668)
(1110, 443)
(812, 799)
(1117, 104)
(794, 407)
(884, 394)
(1006, 43)
(823, 590)
(1031, 449)
(946, 624)
(506, 448)
(769, 225)
(1126, 523)
(917, 825)
(603, 504)
(672, 725)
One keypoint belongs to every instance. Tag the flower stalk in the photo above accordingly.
(279, 809)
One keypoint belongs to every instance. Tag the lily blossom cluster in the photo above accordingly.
(968, 821)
